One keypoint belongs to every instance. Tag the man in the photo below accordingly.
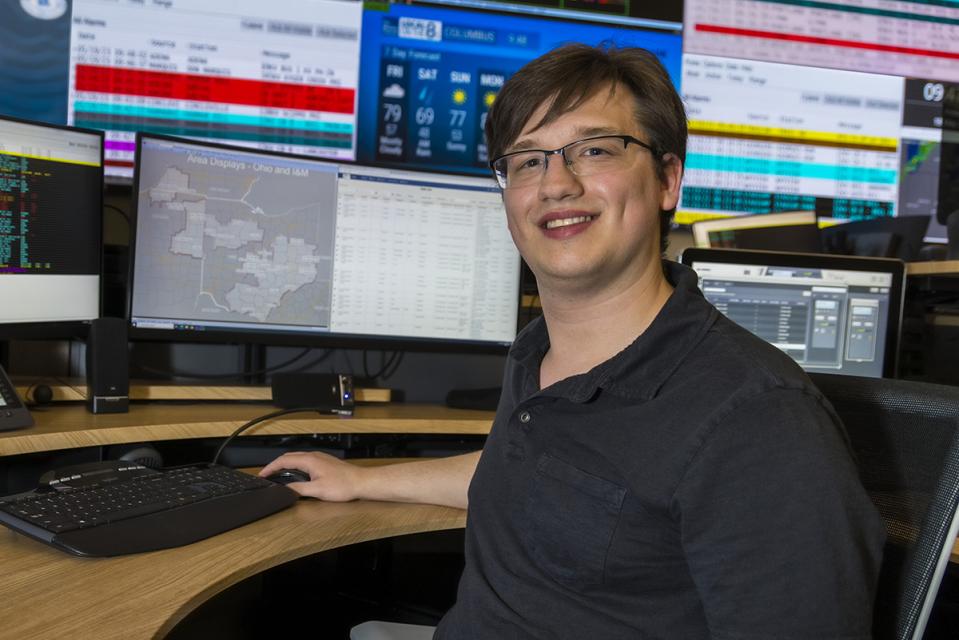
(654, 471)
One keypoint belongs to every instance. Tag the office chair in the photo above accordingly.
(378, 630)
(905, 437)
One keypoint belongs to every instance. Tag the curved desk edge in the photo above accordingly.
(72, 427)
(46, 593)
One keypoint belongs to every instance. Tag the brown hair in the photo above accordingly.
(568, 76)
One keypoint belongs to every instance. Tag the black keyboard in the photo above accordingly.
(142, 509)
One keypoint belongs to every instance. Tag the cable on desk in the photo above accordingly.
(265, 418)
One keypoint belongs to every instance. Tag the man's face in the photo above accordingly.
(591, 231)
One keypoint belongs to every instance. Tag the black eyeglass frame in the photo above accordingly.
(627, 139)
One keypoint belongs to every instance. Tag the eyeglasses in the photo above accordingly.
(585, 157)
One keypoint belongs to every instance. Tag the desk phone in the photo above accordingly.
(13, 413)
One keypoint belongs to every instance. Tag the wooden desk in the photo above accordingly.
(933, 268)
(71, 426)
(45, 593)
(75, 389)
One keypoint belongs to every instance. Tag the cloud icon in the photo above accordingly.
(394, 91)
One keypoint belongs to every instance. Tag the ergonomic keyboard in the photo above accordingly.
(135, 509)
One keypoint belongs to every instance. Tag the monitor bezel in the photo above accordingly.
(294, 338)
(63, 329)
(895, 267)
(702, 228)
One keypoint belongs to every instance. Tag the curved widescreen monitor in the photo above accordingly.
(234, 244)
(831, 314)
(51, 190)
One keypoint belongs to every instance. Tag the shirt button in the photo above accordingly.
(525, 417)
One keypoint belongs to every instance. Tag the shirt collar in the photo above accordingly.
(639, 370)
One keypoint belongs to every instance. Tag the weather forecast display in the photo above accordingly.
(428, 77)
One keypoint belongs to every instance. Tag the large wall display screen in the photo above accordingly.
(34, 68)
(906, 38)
(854, 133)
(429, 76)
(280, 75)
(339, 79)
(767, 137)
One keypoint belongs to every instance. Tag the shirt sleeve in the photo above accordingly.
(781, 538)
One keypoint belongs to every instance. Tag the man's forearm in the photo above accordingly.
(442, 481)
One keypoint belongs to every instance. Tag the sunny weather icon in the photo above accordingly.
(460, 96)
(489, 98)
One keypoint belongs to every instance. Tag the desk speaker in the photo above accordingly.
(108, 366)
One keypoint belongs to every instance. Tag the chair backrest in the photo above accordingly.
(905, 436)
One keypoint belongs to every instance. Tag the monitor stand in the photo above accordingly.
(254, 362)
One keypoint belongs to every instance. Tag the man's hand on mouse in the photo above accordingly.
(331, 479)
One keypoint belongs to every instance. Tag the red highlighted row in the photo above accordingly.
(183, 86)
(851, 44)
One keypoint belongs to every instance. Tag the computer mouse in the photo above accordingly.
(286, 476)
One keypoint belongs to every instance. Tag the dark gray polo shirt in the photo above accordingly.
(695, 485)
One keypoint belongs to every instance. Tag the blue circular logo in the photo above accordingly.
(44, 9)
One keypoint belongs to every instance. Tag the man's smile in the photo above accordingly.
(565, 222)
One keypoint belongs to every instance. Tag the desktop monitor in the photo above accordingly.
(789, 231)
(831, 314)
(241, 245)
(900, 237)
(51, 190)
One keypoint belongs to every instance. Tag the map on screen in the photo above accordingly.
(250, 242)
